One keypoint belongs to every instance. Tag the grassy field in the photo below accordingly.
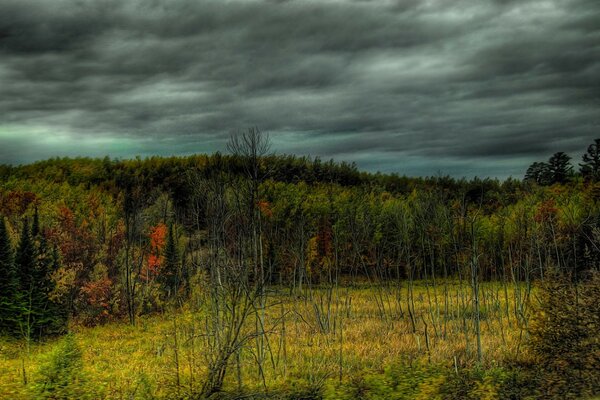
(314, 341)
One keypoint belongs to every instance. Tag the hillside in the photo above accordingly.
(255, 274)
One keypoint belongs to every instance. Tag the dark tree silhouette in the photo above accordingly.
(26, 260)
(590, 167)
(169, 276)
(37, 314)
(35, 225)
(8, 282)
(559, 168)
(538, 172)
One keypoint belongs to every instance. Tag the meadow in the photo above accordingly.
(317, 341)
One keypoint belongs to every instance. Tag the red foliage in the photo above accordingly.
(546, 211)
(158, 235)
(97, 296)
(77, 243)
(154, 263)
(17, 202)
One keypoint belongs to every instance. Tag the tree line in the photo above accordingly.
(99, 239)
(558, 168)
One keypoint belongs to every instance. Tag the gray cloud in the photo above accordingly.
(464, 87)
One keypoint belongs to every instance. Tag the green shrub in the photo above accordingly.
(61, 375)
(565, 338)
(397, 382)
(428, 382)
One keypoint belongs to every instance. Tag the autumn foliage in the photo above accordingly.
(158, 235)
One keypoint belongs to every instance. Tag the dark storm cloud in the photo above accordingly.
(419, 86)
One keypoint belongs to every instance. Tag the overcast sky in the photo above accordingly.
(418, 87)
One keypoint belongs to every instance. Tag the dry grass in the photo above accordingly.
(364, 329)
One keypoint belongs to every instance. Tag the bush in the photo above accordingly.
(428, 382)
(61, 376)
(397, 382)
(565, 338)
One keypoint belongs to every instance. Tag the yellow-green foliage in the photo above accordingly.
(565, 337)
(60, 375)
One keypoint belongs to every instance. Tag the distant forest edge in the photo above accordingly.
(163, 171)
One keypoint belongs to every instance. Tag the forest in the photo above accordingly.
(247, 274)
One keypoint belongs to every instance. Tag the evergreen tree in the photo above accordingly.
(559, 167)
(590, 167)
(35, 226)
(170, 271)
(8, 282)
(52, 315)
(55, 258)
(61, 376)
(564, 338)
(38, 315)
(26, 260)
(538, 173)
(26, 265)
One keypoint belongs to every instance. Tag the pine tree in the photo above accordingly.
(52, 317)
(538, 172)
(61, 376)
(590, 167)
(170, 271)
(38, 315)
(26, 260)
(559, 167)
(564, 339)
(8, 283)
(26, 266)
(55, 258)
(35, 226)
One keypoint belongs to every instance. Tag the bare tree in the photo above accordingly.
(234, 265)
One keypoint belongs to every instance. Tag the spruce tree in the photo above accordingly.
(538, 172)
(26, 260)
(590, 167)
(564, 339)
(170, 271)
(26, 266)
(34, 261)
(559, 167)
(55, 258)
(8, 283)
(51, 316)
(35, 226)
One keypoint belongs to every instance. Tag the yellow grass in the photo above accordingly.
(122, 361)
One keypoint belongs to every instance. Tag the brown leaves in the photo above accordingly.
(17, 202)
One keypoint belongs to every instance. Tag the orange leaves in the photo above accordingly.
(265, 208)
(65, 217)
(154, 263)
(158, 235)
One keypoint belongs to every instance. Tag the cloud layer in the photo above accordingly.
(415, 86)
